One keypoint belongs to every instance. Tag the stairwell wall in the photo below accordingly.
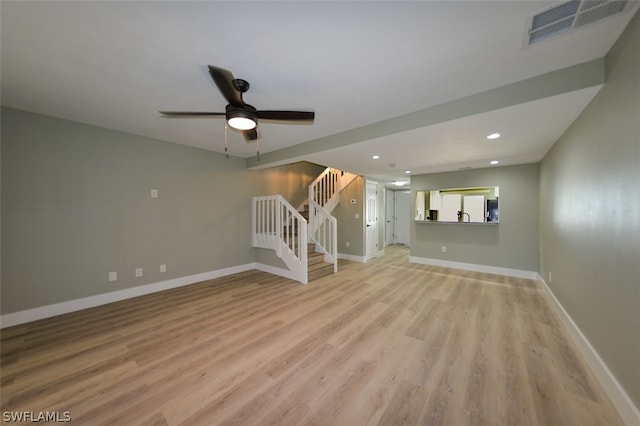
(350, 227)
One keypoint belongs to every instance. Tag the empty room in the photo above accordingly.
(320, 212)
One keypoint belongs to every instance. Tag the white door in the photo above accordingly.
(371, 213)
(403, 213)
(390, 207)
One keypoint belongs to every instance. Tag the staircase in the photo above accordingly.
(278, 226)
(316, 265)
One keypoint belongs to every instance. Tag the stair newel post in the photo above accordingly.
(254, 218)
(302, 247)
(278, 218)
(311, 212)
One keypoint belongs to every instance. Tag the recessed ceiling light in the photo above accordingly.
(495, 162)
(375, 157)
(407, 171)
(493, 136)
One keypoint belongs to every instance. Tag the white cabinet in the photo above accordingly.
(420, 205)
(451, 205)
(435, 201)
(474, 208)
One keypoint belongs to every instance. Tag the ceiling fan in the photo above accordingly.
(240, 115)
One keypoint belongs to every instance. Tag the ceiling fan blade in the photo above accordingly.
(286, 115)
(224, 80)
(190, 114)
(250, 135)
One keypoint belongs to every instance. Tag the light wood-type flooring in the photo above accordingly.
(381, 343)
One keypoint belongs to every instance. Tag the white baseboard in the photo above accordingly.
(518, 273)
(21, 317)
(351, 257)
(625, 406)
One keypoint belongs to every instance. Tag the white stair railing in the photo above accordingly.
(323, 231)
(325, 189)
(277, 225)
(324, 196)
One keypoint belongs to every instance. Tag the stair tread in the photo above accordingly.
(319, 270)
(320, 265)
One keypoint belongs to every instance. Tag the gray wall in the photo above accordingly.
(590, 216)
(291, 181)
(349, 228)
(76, 205)
(511, 244)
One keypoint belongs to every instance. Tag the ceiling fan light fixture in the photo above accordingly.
(242, 118)
(241, 123)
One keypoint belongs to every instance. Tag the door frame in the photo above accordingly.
(371, 247)
(389, 216)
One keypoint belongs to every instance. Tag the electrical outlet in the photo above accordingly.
(154, 193)
(138, 272)
(113, 276)
(163, 268)
(550, 278)
(444, 249)
(348, 244)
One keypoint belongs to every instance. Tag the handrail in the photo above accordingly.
(324, 196)
(277, 225)
(325, 189)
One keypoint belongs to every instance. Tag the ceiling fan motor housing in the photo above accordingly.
(240, 85)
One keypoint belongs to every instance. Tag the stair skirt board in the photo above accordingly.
(319, 271)
(281, 272)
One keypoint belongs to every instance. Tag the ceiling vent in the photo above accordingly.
(571, 15)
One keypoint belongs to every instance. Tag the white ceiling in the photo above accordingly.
(115, 64)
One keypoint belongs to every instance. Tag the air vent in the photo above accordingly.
(570, 15)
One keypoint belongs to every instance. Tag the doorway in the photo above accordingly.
(403, 212)
(397, 208)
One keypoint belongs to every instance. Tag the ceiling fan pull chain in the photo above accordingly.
(258, 143)
(225, 140)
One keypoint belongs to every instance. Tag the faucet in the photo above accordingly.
(461, 216)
